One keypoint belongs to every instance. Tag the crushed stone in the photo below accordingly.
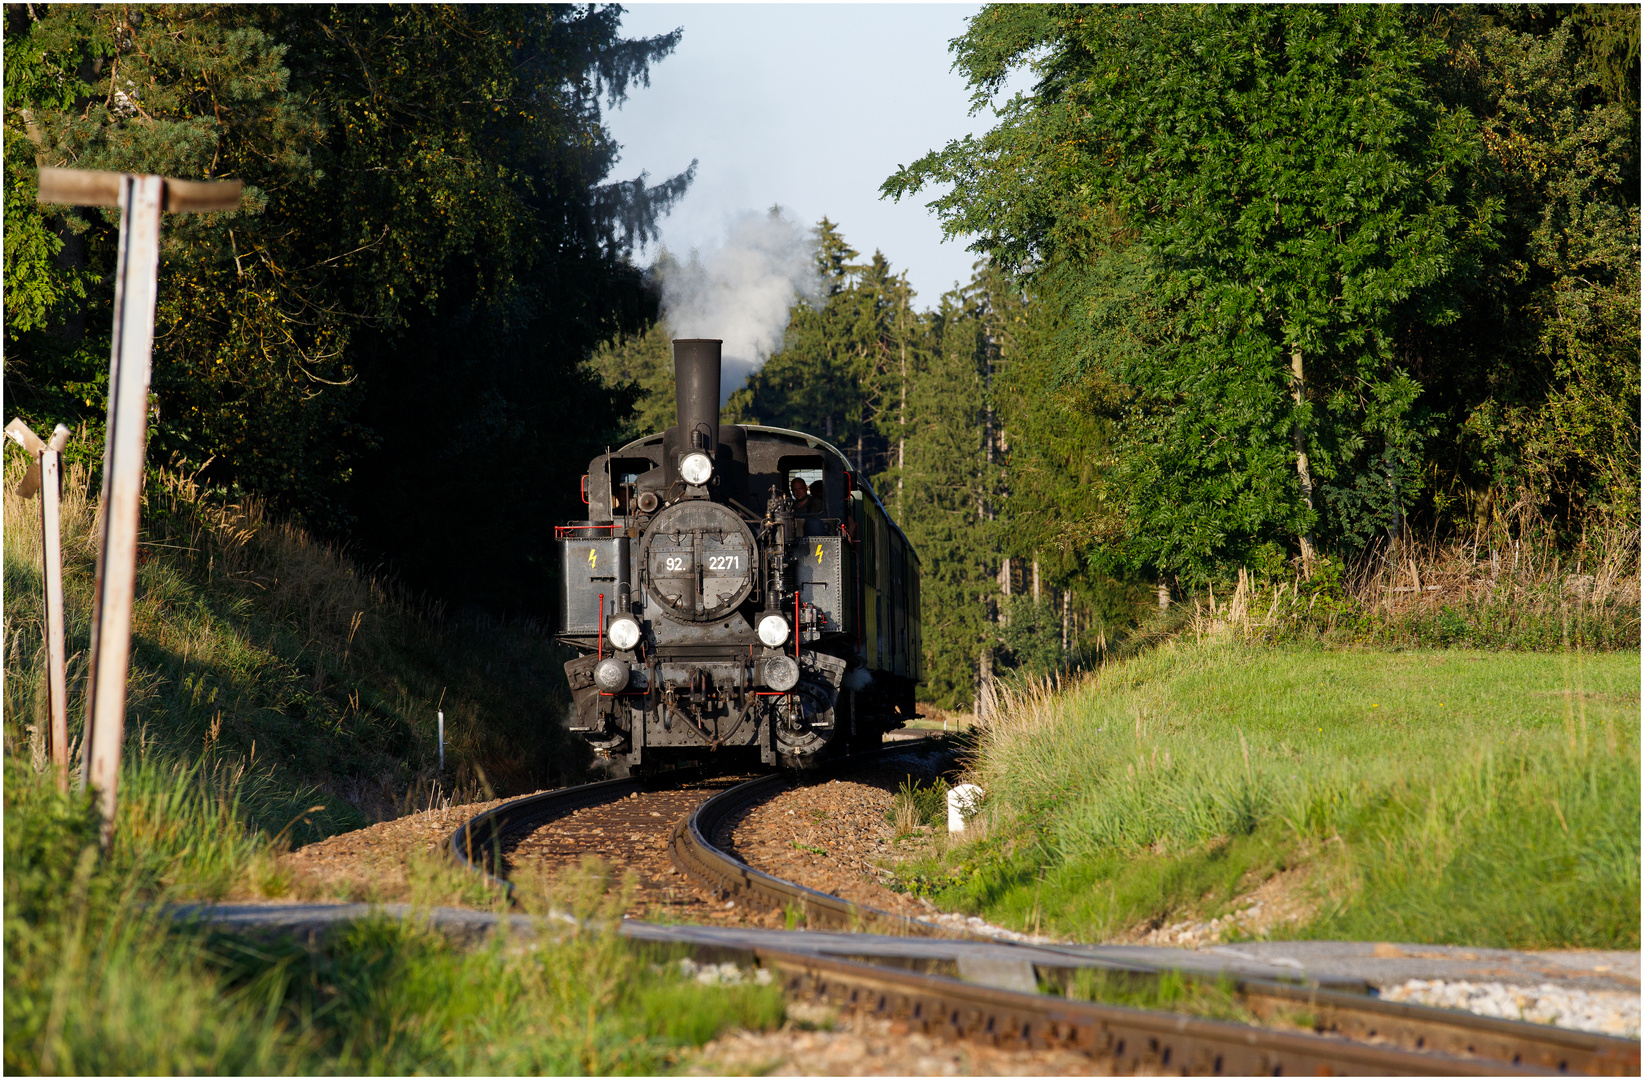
(868, 1046)
(1604, 1012)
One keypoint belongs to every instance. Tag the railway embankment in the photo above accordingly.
(1209, 793)
(281, 695)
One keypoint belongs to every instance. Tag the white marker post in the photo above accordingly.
(141, 200)
(46, 477)
(963, 802)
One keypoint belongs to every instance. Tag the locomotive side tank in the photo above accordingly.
(735, 588)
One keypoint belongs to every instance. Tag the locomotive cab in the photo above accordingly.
(716, 611)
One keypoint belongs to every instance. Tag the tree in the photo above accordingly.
(643, 365)
(948, 494)
(840, 371)
(428, 252)
(1538, 382)
(1279, 188)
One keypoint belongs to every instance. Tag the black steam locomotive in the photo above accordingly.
(735, 587)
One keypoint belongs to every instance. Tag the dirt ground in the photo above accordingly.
(863, 1046)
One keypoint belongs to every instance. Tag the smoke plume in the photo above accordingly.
(742, 291)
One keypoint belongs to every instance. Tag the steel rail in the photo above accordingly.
(1408, 1028)
(1128, 1039)
(693, 851)
(1350, 1033)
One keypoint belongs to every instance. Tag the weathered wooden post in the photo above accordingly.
(46, 477)
(141, 200)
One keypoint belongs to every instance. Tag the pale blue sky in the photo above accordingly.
(808, 105)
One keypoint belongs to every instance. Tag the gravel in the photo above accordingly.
(1605, 1012)
(832, 837)
(370, 864)
(863, 1046)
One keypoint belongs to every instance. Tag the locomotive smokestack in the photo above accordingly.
(696, 384)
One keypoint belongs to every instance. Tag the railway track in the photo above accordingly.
(990, 990)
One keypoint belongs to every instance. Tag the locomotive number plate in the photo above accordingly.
(672, 562)
(724, 556)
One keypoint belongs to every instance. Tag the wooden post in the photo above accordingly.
(45, 475)
(141, 200)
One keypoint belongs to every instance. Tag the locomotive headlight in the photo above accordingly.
(624, 633)
(696, 468)
(611, 675)
(773, 630)
(780, 672)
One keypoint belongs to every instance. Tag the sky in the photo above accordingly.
(809, 106)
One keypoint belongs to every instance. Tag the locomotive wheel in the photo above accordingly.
(818, 726)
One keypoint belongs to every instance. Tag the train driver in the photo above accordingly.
(801, 497)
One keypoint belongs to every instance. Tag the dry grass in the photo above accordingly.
(1524, 594)
(260, 648)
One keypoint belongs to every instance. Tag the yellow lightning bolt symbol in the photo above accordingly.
(819, 554)
(591, 557)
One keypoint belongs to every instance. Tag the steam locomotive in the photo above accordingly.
(735, 588)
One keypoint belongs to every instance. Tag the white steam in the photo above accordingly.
(742, 291)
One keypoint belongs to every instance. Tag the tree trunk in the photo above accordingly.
(902, 423)
(1067, 617)
(1303, 472)
(984, 684)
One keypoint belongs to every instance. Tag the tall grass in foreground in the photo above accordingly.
(99, 980)
(1486, 799)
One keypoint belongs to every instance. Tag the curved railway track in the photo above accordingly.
(1330, 1031)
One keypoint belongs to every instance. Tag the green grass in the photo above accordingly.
(256, 649)
(918, 804)
(278, 695)
(1441, 796)
(1213, 999)
(98, 980)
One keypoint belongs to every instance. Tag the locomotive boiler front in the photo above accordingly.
(683, 600)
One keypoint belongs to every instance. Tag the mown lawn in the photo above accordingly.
(1489, 799)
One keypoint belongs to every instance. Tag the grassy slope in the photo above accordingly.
(260, 653)
(1443, 796)
(269, 677)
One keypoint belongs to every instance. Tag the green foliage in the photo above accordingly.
(944, 495)
(1216, 999)
(1401, 241)
(844, 361)
(1413, 795)
(643, 365)
(1031, 633)
(1287, 183)
(920, 804)
(427, 245)
(1541, 401)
